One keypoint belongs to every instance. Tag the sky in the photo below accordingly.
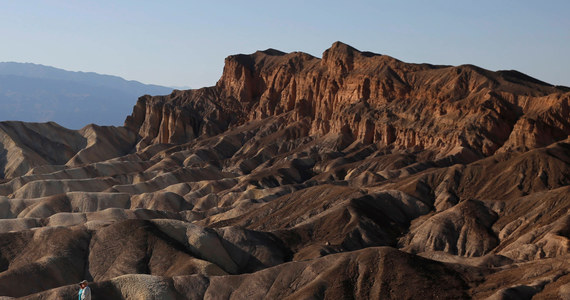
(184, 43)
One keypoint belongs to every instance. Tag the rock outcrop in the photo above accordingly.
(367, 98)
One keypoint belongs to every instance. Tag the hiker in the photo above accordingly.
(84, 291)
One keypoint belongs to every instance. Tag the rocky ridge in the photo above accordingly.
(354, 175)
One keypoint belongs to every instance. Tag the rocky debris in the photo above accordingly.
(354, 175)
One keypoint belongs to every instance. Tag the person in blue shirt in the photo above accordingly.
(84, 291)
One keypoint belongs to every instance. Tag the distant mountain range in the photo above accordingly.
(37, 93)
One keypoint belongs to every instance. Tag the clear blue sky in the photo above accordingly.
(184, 43)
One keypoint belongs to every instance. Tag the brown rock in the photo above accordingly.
(283, 179)
(372, 98)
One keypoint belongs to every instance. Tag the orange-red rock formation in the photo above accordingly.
(368, 98)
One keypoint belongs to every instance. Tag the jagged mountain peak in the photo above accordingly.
(415, 106)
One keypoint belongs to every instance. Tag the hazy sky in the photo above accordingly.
(184, 43)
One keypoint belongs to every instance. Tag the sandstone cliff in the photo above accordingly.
(366, 98)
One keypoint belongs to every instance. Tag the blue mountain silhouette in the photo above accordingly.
(37, 93)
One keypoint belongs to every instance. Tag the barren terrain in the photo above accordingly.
(351, 176)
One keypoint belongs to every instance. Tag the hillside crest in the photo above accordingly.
(365, 98)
